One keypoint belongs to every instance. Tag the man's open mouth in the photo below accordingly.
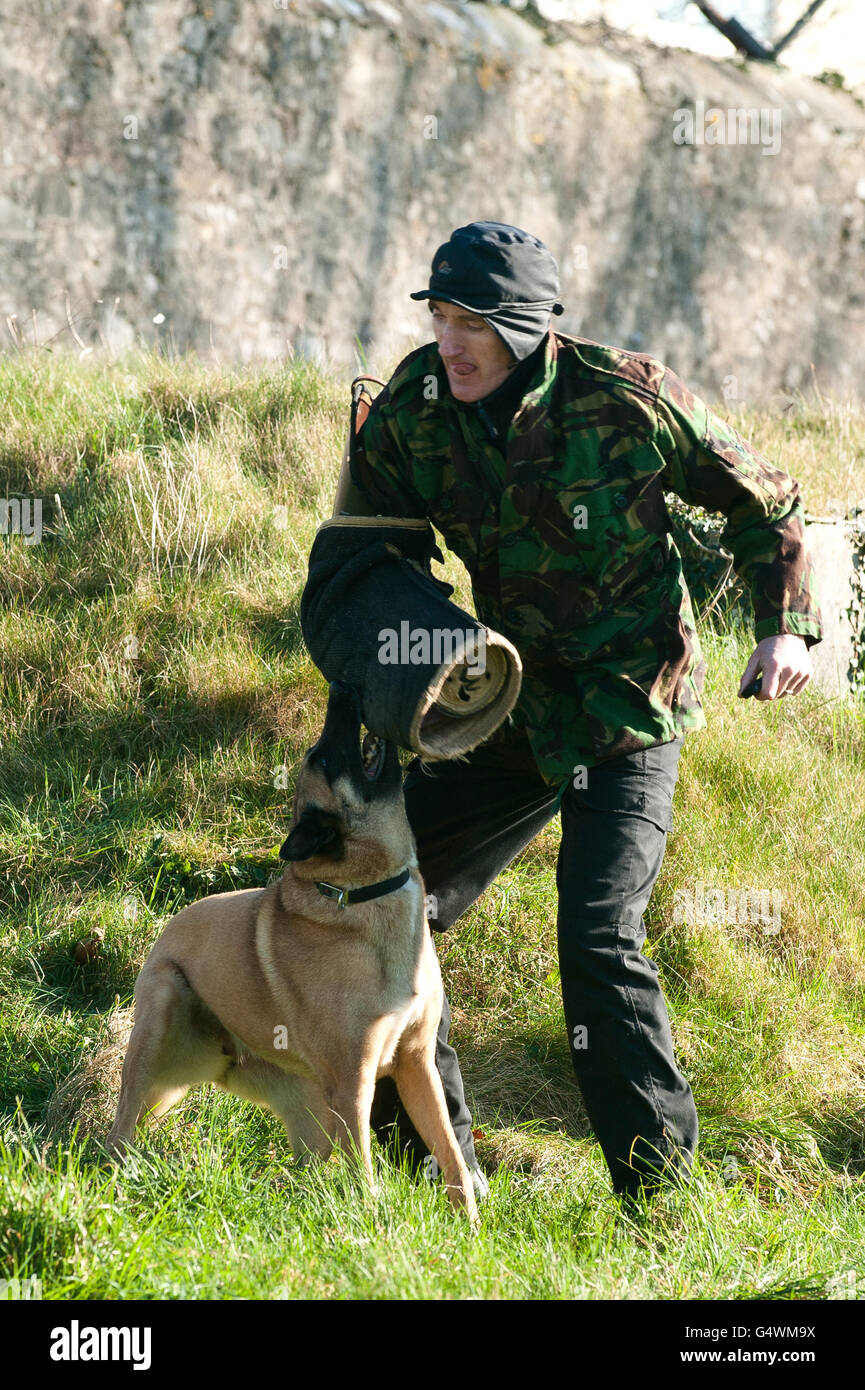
(372, 756)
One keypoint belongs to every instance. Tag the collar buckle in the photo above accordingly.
(330, 890)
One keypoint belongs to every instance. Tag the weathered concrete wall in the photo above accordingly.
(836, 548)
(279, 172)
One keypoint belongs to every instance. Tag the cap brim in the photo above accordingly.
(554, 307)
(449, 299)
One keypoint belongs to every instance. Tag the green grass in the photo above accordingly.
(155, 701)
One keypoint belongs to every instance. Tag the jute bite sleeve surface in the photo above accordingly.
(431, 677)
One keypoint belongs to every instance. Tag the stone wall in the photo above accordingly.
(273, 174)
(837, 548)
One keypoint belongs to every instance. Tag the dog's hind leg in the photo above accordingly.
(134, 1088)
(176, 1043)
(420, 1090)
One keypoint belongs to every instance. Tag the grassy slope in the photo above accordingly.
(156, 699)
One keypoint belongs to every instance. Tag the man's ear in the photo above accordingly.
(316, 833)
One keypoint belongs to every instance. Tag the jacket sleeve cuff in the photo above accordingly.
(790, 624)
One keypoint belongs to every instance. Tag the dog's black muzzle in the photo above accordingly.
(372, 767)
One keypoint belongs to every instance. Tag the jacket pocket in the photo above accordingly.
(614, 546)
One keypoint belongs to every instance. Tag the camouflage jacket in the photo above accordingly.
(566, 537)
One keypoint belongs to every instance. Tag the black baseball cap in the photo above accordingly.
(505, 275)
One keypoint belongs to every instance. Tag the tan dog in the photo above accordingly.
(300, 997)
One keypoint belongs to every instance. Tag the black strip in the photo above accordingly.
(363, 895)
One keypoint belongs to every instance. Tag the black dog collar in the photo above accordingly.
(344, 897)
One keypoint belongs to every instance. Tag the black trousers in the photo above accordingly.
(470, 818)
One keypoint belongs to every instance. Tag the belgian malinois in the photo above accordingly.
(299, 996)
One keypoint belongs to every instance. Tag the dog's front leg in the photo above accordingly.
(350, 1105)
(422, 1094)
(353, 1077)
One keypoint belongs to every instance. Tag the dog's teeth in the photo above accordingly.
(371, 750)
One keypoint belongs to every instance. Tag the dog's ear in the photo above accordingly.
(317, 833)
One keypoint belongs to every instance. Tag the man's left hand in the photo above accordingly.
(786, 665)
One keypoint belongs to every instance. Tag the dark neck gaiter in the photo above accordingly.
(496, 410)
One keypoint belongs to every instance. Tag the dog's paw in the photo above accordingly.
(117, 1147)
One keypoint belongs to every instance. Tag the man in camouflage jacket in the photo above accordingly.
(543, 460)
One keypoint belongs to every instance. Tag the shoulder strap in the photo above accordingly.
(361, 400)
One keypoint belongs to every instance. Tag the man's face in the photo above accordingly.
(475, 358)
